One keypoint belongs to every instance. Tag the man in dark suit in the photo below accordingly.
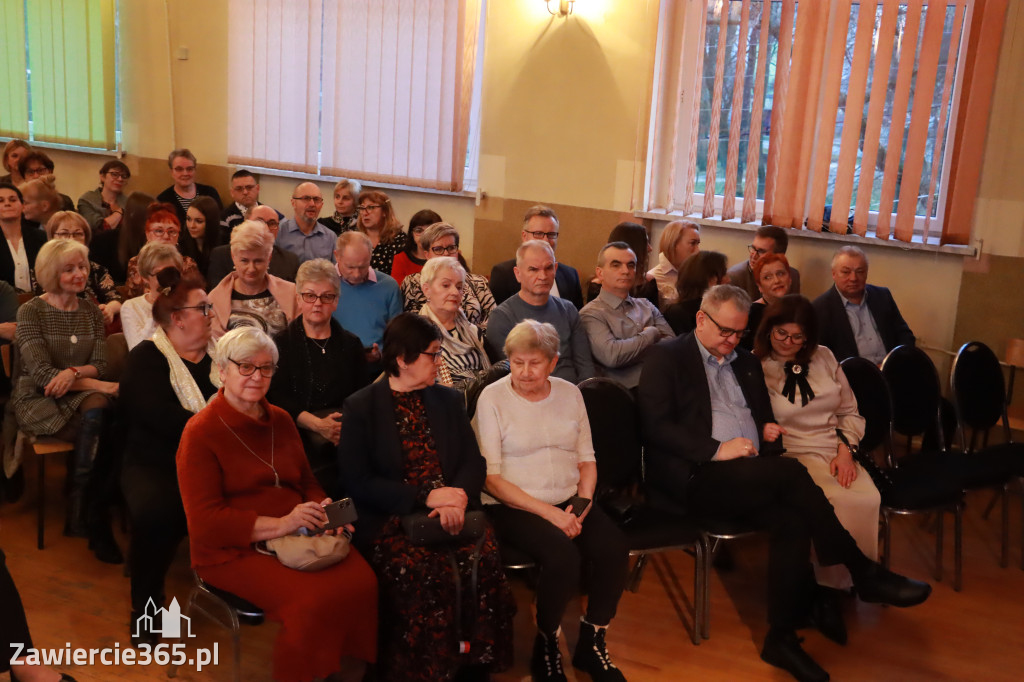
(712, 448)
(283, 264)
(856, 318)
(540, 222)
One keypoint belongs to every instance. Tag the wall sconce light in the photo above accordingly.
(565, 7)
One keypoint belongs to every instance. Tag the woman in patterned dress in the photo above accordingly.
(377, 221)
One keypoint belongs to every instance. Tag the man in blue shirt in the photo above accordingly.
(368, 299)
(303, 235)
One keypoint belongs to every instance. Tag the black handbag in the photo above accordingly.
(423, 529)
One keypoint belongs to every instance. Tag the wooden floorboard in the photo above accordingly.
(977, 634)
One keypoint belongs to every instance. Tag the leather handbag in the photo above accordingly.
(305, 553)
(423, 529)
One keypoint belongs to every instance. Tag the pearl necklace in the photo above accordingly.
(277, 479)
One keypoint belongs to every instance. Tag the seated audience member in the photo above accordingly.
(680, 239)
(368, 299)
(41, 201)
(100, 287)
(59, 391)
(137, 313)
(103, 208)
(114, 248)
(245, 196)
(244, 479)
(283, 264)
(414, 256)
(539, 223)
(249, 296)
(856, 318)
(767, 239)
(303, 235)
(821, 425)
(463, 356)
(712, 446)
(345, 216)
(19, 258)
(202, 226)
(377, 220)
(407, 447)
(162, 227)
(166, 380)
(319, 366)
(36, 165)
(535, 271)
(534, 433)
(439, 240)
(182, 163)
(14, 152)
(771, 272)
(699, 273)
(621, 328)
(636, 237)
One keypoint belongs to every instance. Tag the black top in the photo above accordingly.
(682, 316)
(103, 250)
(232, 216)
(171, 197)
(32, 240)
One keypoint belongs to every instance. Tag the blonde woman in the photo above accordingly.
(346, 215)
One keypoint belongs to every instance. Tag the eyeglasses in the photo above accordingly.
(117, 175)
(184, 169)
(326, 299)
(780, 335)
(433, 356)
(753, 249)
(368, 208)
(205, 309)
(64, 234)
(726, 332)
(161, 232)
(542, 235)
(245, 188)
(36, 170)
(309, 200)
(247, 369)
(445, 250)
(270, 223)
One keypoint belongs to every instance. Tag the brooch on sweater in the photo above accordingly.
(796, 376)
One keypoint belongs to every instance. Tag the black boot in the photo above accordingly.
(546, 662)
(827, 614)
(98, 491)
(76, 524)
(592, 655)
(782, 649)
(878, 585)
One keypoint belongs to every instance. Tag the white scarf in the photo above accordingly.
(185, 387)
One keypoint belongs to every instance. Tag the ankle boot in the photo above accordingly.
(592, 654)
(76, 524)
(546, 662)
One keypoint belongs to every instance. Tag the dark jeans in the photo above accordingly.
(776, 494)
(13, 625)
(599, 553)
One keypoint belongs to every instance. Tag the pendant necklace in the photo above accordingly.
(277, 479)
(323, 348)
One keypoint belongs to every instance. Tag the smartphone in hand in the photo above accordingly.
(340, 513)
(579, 504)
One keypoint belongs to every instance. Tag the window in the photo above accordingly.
(380, 91)
(58, 72)
(800, 113)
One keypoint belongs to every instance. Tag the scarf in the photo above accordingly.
(796, 375)
(185, 387)
(456, 346)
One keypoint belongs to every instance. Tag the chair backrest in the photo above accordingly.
(117, 356)
(916, 394)
(873, 400)
(615, 430)
(979, 391)
(477, 386)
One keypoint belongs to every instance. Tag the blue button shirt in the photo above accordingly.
(317, 244)
(730, 414)
(865, 331)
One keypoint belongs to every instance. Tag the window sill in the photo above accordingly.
(870, 239)
(313, 177)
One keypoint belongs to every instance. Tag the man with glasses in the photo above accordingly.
(767, 239)
(245, 192)
(711, 450)
(283, 264)
(621, 328)
(185, 189)
(368, 298)
(540, 222)
(304, 235)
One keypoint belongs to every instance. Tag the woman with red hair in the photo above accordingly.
(162, 225)
(773, 279)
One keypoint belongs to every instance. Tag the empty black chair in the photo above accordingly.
(907, 486)
(615, 430)
(477, 386)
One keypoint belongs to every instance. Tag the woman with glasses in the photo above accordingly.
(440, 240)
(249, 296)
(185, 189)
(771, 274)
(377, 221)
(413, 257)
(19, 258)
(161, 226)
(698, 273)
(320, 365)
(103, 208)
(813, 403)
(244, 479)
(100, 288)
(346, 216)
(137, 313)
(168, 378)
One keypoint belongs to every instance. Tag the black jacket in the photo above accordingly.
(32, 240)
(504, 284)
(836, 334)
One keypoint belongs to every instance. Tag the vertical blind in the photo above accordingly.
(379, 91)
(66, 91)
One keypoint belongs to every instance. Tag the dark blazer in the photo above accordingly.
(169, 196)
(504, 284)
(675, 408)
(835, 332)
(283, 264)
(370, 454)
(32, 240)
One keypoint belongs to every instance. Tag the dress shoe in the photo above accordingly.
(877, 585)
(592, 657)
(105, 548)
(782, 649)
(827, 615)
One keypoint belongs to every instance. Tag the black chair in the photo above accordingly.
(476, 387)
(615, 430)
(979, 396)
(907, 486)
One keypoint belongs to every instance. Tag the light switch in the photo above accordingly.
(182, 52)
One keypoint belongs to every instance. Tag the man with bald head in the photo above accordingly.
(283, 264)
(303, 235)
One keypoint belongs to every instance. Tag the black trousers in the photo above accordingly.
(13, 625)
(599, 554)
(776, 494)
(157, 524)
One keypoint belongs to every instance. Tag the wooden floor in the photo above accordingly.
(977, 634)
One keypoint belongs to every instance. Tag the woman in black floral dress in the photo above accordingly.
(407, 446)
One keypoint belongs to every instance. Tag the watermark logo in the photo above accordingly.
(166, 622)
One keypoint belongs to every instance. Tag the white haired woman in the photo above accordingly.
(137, 313)
(249, 296)
(100, 287)
(440, 240)
(320, 366)
(462, 343)
(58, 386)
(534, 433)
(244, 479)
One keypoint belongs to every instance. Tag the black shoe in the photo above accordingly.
(877, 585)
(105, 548)
(14, 487)
(827, 616)
(782, 649)
(591, 655)
(546, 661)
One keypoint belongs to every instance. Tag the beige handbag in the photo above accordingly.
(305, 553)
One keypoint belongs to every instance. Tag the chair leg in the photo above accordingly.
(637, 574)
(41, 512)
(698, 591)
(709, 555)
(887, 540)
(938, 545)
(958, 546)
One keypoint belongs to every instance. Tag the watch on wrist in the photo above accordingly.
(78, 372)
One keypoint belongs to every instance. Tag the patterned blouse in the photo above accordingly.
(384, 253)
(477, 299)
